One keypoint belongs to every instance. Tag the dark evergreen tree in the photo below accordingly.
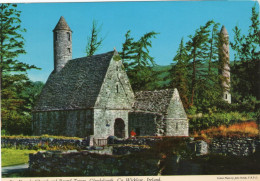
(246, 69)
(138, 62)
(94, 41)
(128, 52)
(214, 46)
(12, 71)
(179, 74)
(198, 48)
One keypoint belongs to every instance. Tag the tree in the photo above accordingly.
(179, 73)
(127, 53)
(198, 51)
(94, 42)
(137, 60)
(245, 71)
(214, 47)
(12, 71)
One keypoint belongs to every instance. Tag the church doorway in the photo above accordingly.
(119, 128)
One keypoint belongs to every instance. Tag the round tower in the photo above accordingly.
(225, 64)
(62, 42)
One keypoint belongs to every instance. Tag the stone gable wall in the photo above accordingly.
(105, 120)
(116, 91)
(177, 127)
(114, 101)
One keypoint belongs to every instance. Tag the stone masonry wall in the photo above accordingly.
(105, 120)
(33, 143)
(226, 146)
(114, 101)
(235, 146)
(89, 164)
(136, 141)
(77, 123)
(177, 127)
(149, 124)
(62, 49)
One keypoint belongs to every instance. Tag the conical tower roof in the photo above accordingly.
(62, 25)
(224, 30)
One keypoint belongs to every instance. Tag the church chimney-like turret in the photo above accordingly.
(225, 64)
(62, 42)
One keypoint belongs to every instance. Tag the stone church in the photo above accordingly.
(92, 96)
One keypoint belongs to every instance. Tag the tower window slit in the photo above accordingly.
(116, 88)
(69, 50)
(68, 35)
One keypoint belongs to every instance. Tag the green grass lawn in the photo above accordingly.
(15, 157)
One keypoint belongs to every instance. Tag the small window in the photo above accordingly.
(69, 50)
(225, 96)
(68, 35)
(55, 36)
(177, 126)
(116, 88)
(117, 68)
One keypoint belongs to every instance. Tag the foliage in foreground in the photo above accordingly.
(246, 129)
(16, 107)
(12, 156)
(206, 121)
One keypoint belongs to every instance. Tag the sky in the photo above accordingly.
(172, 19)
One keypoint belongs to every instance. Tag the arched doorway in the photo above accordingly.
(119, 128)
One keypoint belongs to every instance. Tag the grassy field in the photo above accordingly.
(15, 157)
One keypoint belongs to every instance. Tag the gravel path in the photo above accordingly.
(14, 169)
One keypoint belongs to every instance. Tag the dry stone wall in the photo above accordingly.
(134, 141)
(89, 164)
(43, 143)
(235, 146)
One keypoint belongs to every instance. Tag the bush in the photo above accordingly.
(4, 132)
(192, 110)
(216, 120)
(246, 129)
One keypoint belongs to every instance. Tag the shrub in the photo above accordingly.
(216, 120)
(4, 132)
(192, 110)
(245, 129)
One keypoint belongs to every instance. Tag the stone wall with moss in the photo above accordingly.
(235, 146)
(77, 123)
(146, 123)
(89, 164)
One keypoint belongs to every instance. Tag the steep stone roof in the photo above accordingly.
(76, 86)
(224, 30)
(153, 101)
(62, 25)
